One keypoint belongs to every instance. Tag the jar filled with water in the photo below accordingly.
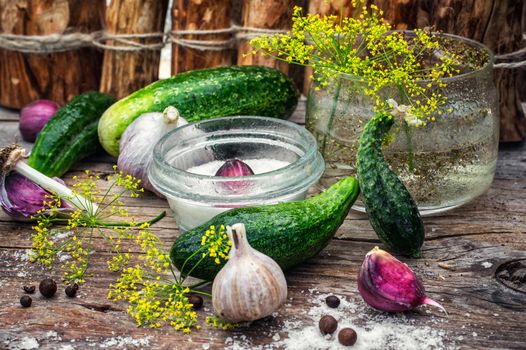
(444, 164)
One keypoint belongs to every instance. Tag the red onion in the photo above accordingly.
(232, 168)
(21, 197)
(387, 284)
(34, 116)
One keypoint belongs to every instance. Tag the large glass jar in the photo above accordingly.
(445, 164)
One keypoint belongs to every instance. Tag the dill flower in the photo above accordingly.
(155, 293)
(71, 233)
(387, 64)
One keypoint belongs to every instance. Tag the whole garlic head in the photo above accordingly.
(251, 285)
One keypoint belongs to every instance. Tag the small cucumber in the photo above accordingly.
(393, 214)
(203, 94)
(70, 135)
(289, 232)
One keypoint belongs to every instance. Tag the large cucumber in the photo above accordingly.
(289, 232)
(393, 214)
(70, 135)
(202, 94)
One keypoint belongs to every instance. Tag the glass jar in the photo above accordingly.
(445, 164)
(282, 154)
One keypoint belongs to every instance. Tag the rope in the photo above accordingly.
(127, 42)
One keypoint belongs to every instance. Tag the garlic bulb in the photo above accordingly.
(139, 139)
(251, 285)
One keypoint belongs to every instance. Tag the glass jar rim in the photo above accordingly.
(159, 159)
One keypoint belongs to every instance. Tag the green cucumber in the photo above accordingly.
(289, 232)
(70, 135)
(203, 94)
(393, 214)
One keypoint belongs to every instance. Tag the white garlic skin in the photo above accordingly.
(250, 286)
(139, 139)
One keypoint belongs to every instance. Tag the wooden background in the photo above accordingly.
(59, 76)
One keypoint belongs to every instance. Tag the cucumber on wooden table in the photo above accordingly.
(203, 94)
(393, 213)
(289, 232)
(70, 135)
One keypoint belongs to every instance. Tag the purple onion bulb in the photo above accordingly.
(34, 116)
(387, 284)
(21, 198)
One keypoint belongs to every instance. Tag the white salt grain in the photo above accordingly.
(125, 342)
(26, 343)
(66, 347)
(487, 264)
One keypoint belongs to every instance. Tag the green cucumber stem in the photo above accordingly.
(128, 224)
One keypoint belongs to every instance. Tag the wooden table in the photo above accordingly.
(464, 250)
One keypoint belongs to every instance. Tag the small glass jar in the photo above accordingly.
(283, 155)
(445, 164)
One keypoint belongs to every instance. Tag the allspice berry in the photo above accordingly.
(347, 336)
(196, 301)
(328, 324)
(47, 288)
(25, 301)
(29, 289)
(71, 290)
(332, 301)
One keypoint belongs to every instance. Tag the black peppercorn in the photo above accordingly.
(71, 290)
(25, 301)
(347, 336)
(196, 301)
(332, 301)
(29, 289)
(328, 324)
(47, 287)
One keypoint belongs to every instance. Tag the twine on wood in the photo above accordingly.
(127, 42)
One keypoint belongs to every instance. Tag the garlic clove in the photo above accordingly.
(251, 285)
(387, 284)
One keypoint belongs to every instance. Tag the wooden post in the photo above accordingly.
(271, 14)
(57, 76)
(125, 72)
(200, 15)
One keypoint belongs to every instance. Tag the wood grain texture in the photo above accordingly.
(271, 14)
(125, 72)
(58, 76)
(200, 15)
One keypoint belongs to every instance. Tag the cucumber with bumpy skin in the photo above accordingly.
(289, 232)
(393, 214)
(70, 135)
(203, 94)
